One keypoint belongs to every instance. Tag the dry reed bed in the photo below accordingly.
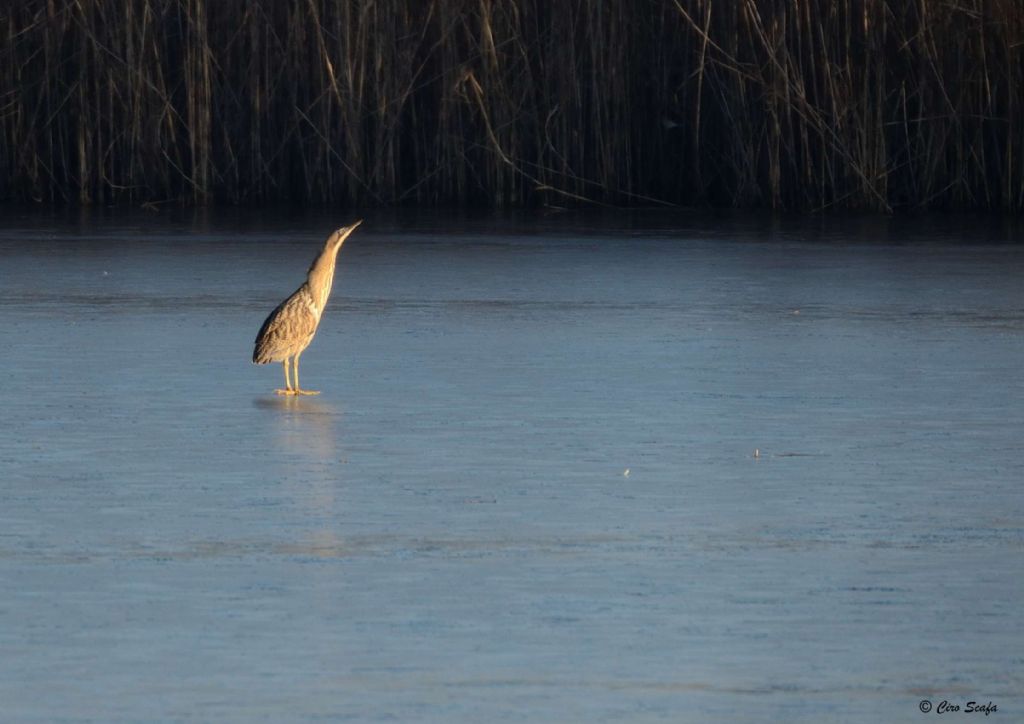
(801, 104)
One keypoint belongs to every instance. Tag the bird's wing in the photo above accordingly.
(288, 329)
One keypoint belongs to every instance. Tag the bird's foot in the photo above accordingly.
(305, 392)
(289, 391)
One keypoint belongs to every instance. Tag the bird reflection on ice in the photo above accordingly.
(305, 433)
(305, 426)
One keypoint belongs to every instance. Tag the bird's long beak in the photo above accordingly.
(339, 236)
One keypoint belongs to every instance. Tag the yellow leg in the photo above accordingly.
(299, 390)
(287, 381)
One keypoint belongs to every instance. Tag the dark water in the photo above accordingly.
(529, 489)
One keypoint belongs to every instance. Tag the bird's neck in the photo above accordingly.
(321, 277)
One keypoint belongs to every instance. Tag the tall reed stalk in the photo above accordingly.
(788, 104)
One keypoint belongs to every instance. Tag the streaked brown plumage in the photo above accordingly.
(290, 328)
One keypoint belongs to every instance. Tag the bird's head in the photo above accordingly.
(335, 240)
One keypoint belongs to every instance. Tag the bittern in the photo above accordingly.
(290, 328)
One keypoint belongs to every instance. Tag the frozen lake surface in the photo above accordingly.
(529, 489)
